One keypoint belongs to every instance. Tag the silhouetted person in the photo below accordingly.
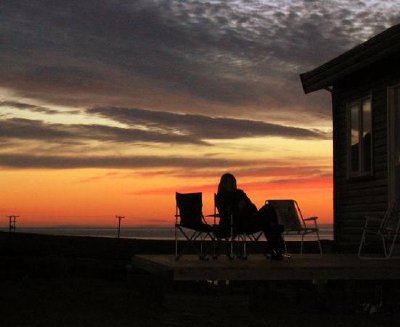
(233, 202)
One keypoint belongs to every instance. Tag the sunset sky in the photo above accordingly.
(110, 107)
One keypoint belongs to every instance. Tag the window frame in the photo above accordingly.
(361, 171)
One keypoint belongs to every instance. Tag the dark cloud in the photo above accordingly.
(34, 108)
(272, 168)
(323, 181)
(18, 161)
(33, 130)
(27, 129)
(199, 167)
(204, 127)
(244, 55)
(144, 126)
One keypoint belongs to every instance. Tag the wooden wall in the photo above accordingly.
(354, 198)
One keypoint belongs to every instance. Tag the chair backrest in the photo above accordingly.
(189, 208)
(289, 214)
(391, 219)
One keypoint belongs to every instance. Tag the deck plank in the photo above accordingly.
(257, 267)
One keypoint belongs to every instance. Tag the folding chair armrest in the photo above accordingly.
(313, 221)
(310, 218)
(370, 219)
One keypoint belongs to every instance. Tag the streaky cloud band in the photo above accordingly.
(205, 127)
(24, 161)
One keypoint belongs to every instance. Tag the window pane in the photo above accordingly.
(367, 129)
(355, 139)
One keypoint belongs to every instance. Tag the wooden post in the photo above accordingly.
(12, 223)
(119, 224)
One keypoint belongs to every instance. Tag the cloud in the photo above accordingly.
(294, 182)
(27, 129)
(276, 168)
(275, 171)
(142, 126)
(22, 161)
(204, 127)
(242, 57)
(34, 108)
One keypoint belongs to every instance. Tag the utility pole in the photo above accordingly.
(12, 222)
(119, 224)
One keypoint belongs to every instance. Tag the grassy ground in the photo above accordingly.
(83, 301)
(59, 281)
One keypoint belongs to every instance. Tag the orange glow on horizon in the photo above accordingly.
(70, 197)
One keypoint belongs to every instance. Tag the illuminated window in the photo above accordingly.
(360, 138)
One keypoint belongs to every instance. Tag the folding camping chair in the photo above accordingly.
(290, 216)
(232, 237)
(386, 229)
(190, 222)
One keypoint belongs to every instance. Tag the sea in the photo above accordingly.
(140, 232)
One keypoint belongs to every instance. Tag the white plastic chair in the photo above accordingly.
(386, 229)
(290, 216)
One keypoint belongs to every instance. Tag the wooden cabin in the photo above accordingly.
(365, 86)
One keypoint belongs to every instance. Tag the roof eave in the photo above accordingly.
(355, 59)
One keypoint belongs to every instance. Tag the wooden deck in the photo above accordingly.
(257, 267)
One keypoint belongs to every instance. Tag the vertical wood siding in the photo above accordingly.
(354, 198)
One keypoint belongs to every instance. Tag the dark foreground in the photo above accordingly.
(79, 281)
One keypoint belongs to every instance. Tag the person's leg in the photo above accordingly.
(274, 237)
(272, 230)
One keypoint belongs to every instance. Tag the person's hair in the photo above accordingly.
(225, 180)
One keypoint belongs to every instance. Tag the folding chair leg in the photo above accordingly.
(244, 248)
(301, 244)
(232, 238)
(319, 243)
(203, 254)
(388, 255)
(218, 244)
(241, 246)
(201, 248)
(284, 243)
(231, 254)
(214, 248)
(362, 243)
(190, 242)
(233, 247)
(176, 244)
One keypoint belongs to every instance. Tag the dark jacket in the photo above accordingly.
(237, 204)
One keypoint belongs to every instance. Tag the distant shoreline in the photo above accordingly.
(136, 232)
(109, 248)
